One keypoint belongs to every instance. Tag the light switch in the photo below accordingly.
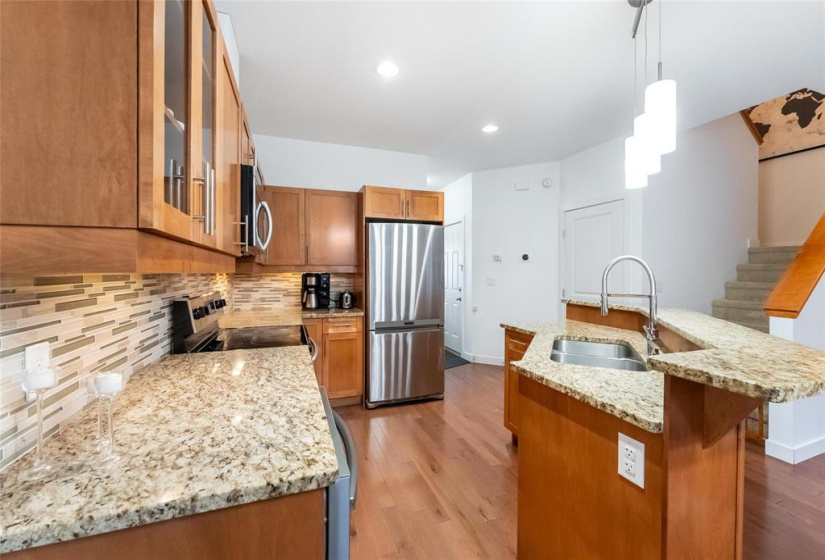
(632, 460)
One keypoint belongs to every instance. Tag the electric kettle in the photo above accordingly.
(346, 300)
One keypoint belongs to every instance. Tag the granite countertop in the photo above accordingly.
(634, 396)
(198, 432)
(734, 358)
(280, 317)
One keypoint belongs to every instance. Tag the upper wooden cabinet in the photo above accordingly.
(132, 120)
(403, 204)
(331, 228)
(288, 243)
(312, 228)
(425, 206)
(384, 202)
(69, 113)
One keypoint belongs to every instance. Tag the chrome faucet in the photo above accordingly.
(651, 332)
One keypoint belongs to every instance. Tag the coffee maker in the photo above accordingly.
(315, 290)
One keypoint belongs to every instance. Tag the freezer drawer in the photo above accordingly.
(405, 365)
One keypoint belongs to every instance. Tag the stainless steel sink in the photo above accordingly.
(598, 354)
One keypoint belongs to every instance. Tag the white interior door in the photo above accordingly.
(593, 236)
(454, 286)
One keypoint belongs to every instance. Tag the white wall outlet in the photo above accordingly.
(491, 281)
(37, 356)
(632, 460)
(521, 185)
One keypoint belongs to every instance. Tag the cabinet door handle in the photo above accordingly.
(202, 217)
(408, 208)
(214, 200)
(306, 254)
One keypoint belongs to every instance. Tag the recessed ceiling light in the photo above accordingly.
(387, 69)
(489, 129)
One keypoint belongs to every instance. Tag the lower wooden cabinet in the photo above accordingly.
(339, 366)
(515, 345)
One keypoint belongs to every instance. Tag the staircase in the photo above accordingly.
(755, 280)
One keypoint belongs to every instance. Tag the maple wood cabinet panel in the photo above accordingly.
(515, 345)
(403, 204)
(424, 206)
(69, 113)
(228, 172)
(339, 367)
(288, 245)
(331, 228)
(384, 202)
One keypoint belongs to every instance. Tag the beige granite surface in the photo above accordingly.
(332, 313)
(199, 432)
(280, 317)
(634, 396)
(737, 358)
(734, 358)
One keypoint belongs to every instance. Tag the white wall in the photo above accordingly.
(700, 211)
(458, 206)
(693, 221)
(797, 429)
(301, 163)
(510, 223)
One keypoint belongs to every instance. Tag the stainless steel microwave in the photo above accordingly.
(256, 216)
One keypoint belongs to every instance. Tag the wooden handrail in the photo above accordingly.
(795, 287)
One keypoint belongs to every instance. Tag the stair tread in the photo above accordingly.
(761, 266)
(738, 303)
(775, 249)
(744, 284)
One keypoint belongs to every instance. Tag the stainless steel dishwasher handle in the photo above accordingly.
(313, 350)
(352, 456)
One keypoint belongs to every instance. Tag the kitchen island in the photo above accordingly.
(225, 454)
(687, 411)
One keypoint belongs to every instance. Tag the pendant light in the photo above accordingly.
(654, 131)
(660, 104)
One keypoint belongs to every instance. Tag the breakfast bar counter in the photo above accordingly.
(679, 489)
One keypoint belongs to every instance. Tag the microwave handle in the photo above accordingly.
(265, 207)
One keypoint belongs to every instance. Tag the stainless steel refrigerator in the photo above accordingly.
(405, 312)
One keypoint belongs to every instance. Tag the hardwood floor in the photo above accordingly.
(438, 480)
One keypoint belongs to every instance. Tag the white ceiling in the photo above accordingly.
(555, 76)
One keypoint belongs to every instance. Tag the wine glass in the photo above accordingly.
(37, 382)
(98, 440)
(107, 385)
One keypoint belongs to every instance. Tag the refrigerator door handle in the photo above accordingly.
(426, 328)
(408, 325)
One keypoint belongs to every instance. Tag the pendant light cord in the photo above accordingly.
(647, 9)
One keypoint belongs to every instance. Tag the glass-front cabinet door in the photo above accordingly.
(204, 56)
(178, 55)
(176, 105)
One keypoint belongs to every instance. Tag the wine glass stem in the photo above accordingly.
(111, 425)
(39, 453)
(99, 419)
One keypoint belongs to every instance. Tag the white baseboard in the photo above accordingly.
(795, 455)
(489, 360)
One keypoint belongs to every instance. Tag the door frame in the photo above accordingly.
(463, 283)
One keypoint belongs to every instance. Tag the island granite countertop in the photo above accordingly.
(734, 358)
(198, 432)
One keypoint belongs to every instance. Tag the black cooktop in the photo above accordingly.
(263, 337)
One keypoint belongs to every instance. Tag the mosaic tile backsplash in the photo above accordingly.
(117, 322)
(96, 322)
(279, 291)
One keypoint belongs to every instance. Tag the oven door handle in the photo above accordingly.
(352, 456)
